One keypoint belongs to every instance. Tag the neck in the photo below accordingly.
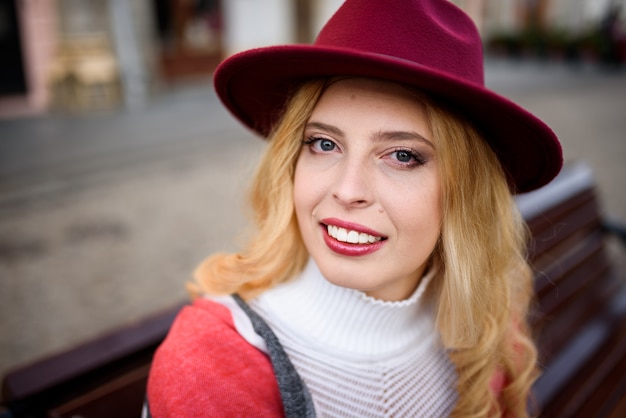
(346, 320)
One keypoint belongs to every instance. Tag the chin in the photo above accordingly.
(349, 277)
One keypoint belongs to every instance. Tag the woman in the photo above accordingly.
(388, 273)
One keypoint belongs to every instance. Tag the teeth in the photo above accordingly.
(352, 237)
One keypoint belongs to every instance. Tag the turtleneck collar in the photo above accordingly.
(347, 321)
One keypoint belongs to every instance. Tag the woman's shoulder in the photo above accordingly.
(203, 319)
(205, 365)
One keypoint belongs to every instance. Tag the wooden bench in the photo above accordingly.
(580, 323)
(580, 317)
(105, 377)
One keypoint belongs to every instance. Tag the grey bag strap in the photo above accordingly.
(296, 398)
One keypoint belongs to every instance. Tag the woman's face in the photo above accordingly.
(367, 188)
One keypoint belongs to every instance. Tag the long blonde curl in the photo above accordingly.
(485, 283)
(276, 253)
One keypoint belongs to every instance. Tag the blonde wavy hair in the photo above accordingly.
(484, 284)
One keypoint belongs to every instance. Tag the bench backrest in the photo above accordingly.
(581, 302)
(105, 377)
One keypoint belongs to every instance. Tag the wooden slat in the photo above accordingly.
(609, 392)
(576, 292)
(88, 365)
(554, 332)
(564, 366)
(618, 410)
(558, 231)
(568, 288)
(119, 398)
(581, 373)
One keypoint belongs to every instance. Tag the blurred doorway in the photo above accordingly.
(304, 17)
(190, 37)
(12, 77)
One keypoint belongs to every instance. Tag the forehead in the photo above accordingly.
(375, 103)
(355, 87)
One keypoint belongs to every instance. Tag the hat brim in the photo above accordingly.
(255, 85)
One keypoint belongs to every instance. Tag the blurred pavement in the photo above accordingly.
(104, 216)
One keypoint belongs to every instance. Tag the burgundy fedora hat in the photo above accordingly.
(429, 44)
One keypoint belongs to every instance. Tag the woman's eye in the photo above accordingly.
(404, 156)
(407, 158)
(326, 145)
(321, 144)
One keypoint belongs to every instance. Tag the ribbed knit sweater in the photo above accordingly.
(358, 356)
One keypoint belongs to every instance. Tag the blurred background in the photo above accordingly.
(120, 170)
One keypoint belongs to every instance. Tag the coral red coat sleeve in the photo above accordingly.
(204, 368)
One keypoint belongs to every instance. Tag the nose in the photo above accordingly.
(353, 187)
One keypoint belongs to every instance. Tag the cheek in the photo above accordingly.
(433, 206)
(297, 189)
(420, 212)
(436, 206)
(304, 190)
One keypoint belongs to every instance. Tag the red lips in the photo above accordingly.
(348, 249)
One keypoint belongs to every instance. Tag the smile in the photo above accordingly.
(351, 236)
(348, 239)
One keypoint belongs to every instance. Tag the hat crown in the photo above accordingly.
(432, 33)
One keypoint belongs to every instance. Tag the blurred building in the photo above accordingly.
(78, 54)
(85, 55)
(576, 31)
(27, 42)
(571, 15)
(74, 54)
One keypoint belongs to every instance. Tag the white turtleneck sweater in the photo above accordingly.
(361, 357)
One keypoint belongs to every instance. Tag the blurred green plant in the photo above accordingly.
(553, 43)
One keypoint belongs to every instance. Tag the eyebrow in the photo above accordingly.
(381, 135)
(324, 127)
(403, 135)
